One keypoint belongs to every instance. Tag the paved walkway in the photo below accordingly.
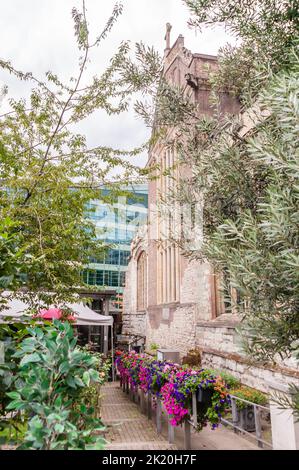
(127, 428)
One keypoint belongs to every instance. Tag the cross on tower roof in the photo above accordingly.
(167, 35)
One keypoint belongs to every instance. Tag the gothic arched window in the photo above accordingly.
(141, 281)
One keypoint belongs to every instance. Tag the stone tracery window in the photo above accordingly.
(227, 299)
(142, 281)
(168, 255)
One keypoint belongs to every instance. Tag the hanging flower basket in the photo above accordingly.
(174, 385)
(204, 395)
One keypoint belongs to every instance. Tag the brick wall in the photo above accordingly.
(221, 349)
(177, 332)
(249, 374)
(195, 287)
(134, 322)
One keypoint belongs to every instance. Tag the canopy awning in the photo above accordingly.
(16, 310)
(86, 316)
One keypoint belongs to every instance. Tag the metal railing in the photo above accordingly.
(237, 418)
(132, 340)
(145, 401)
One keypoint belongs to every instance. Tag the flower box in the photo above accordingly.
(245, 418)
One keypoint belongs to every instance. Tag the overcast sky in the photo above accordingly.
(37, 36)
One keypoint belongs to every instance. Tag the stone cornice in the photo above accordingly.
(218, 324)
(243, 360)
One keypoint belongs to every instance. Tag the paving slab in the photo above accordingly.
(127, 428)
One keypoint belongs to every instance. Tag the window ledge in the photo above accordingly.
(168, 305)
(223, 321)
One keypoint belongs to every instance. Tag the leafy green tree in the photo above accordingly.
(48, 173)
(9, 254)
(265, 30)
(250, 183)
(253, 232)
(246, 184)
(249, 186)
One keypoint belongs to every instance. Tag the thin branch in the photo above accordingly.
(57, 128)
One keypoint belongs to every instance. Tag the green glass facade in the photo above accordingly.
(116, 224)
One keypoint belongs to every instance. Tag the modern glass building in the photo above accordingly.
(116, 223)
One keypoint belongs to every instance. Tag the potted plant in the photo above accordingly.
(193, 358)
(245, 411)
(205, 390)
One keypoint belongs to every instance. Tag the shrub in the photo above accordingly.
(231, 381)
(250, 394)
(91, 395)
(193, 358)
(51, 375)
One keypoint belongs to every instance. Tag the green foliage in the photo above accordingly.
(103, 365)
(49, 173)
(231, 381)
(9, 254)
(91, 395)
(266, 31)
(13, 431)
(212, 408)
(250, 394)
(288, 401)
(48, 385)
(259, 243)
(249, 185)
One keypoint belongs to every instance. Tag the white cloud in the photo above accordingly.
(38, 36)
